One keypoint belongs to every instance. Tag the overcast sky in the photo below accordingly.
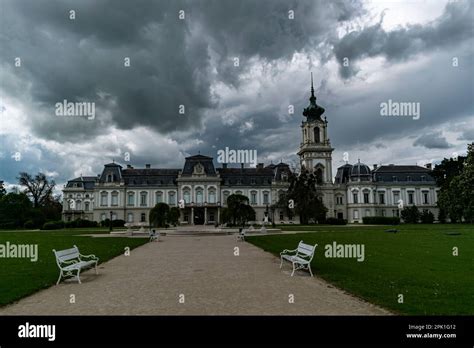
(404, 51)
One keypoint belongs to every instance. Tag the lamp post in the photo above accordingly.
(273, 215)
(110, 225)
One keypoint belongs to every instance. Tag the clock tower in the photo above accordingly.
(315, 150)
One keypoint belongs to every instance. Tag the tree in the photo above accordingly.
(426, 217)
(173, 216)
(159, 214)
(238, 209)
(15, 209)
(465, 186)
(410, 214)
(38, 188)
(306, 196)
(448, 169)
(456, 196)
(3, 192)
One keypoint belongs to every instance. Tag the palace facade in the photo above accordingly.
(128, 193)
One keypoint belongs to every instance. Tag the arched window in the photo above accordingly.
(317, 135)
(187, 196)
(199, 195)
(78, 205)
(212, 196)
(319, 176)
(86, 206)
(130, 217)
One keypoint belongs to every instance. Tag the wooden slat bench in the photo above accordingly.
(300, 257)
(71, 262)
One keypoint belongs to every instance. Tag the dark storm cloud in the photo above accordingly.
(434, 140)
(83, 59)
(454, 26)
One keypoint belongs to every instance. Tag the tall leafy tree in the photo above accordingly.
(159, 214)
(456, 197)
(238, 209)
(307, 197)
(39, 188)
(3, 192)
(15, 209)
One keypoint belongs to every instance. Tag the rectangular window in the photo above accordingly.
(382, 212)
(131, 200)
(159, 197)
(114, 199)
(425, 197)
(130, 217)
(410, 198)
(356, 214)
(281, 216)
(103, 199)
(381, 198)
(355, 198)
(143, 199)
(366, 198)
(396, 197)
(253, 198)
(171, 198)
(265, 198)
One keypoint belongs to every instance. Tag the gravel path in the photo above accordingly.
(205, 270)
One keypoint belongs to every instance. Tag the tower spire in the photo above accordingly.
(312, 88)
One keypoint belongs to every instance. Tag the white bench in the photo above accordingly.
(300, 257)
(241, 235)
(71, 261)
(154, 236)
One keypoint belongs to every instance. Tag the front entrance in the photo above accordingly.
(199, 216)
(340, 216)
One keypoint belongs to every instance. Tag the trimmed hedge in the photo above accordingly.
(336, 221)
(381, 220)
(53, 225)
(29, 224)
(115, 223)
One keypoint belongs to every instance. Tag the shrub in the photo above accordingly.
(381, 220)
(410, 214)
(427, 217)
(86, 223)
(336, 221)
(118, 223)
(11, 225)
(29, 224)
(53, 225)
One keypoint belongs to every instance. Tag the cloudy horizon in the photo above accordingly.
(234, 69)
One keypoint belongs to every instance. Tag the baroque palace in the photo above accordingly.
(356, 191)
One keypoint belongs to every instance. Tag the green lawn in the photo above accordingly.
(21, 277)
(417, 262)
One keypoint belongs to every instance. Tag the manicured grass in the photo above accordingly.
(21, 277)
(417, 262)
